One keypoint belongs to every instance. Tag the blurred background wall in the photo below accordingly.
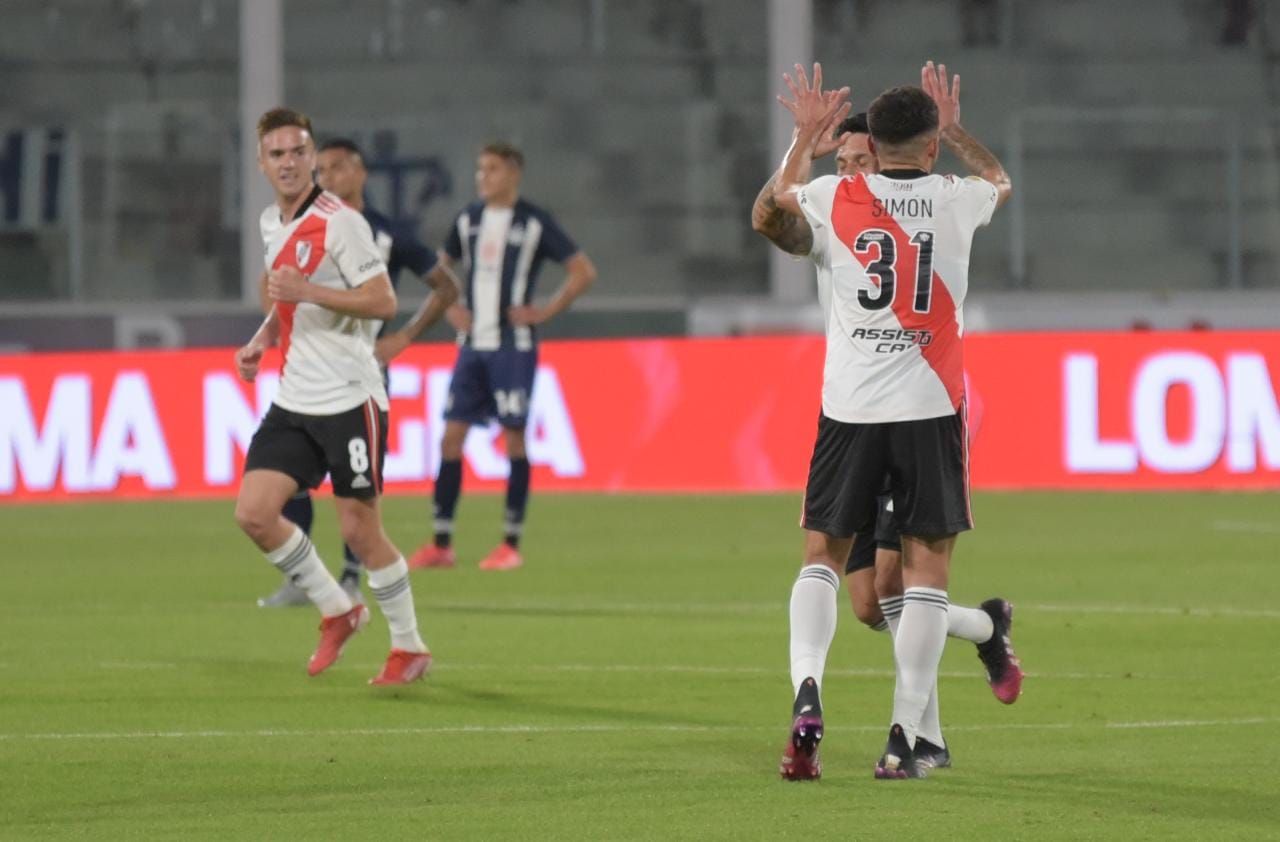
(1141, 136)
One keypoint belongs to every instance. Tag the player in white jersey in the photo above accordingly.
(892, 278)
(330, 290)
(873, 572)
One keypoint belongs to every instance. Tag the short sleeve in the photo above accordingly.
(555, 244)
(453, 242)
(408, 251)
(978, 199)
(349, 241)
(816, 200)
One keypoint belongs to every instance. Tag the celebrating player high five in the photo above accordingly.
(894, 273)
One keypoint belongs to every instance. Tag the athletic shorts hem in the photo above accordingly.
(825, 528)
(933, 530)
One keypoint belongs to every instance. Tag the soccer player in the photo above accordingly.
(502, 240)
(330, 289)
(894, 272)
(874, 570)
(340, 170)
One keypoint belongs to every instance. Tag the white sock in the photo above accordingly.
(972, 624)
(891, 608)
(813, 622)
(922, 633)
(390, 586)
(297, 559)
(930, 723)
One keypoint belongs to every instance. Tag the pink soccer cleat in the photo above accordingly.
(334, 634)
(403, 667)
(503, 557)
(1004, 670)
(429, 555)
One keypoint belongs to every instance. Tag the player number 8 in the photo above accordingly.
(359, 455)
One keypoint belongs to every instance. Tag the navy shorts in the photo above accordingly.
(887, 537)
(492, 384)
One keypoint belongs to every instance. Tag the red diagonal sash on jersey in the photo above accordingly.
(311, 233)
(850, 216)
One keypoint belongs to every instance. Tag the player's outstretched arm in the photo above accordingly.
(976, 157)
(813, 110)
(444, 292)
(580, 275)
(373, 299)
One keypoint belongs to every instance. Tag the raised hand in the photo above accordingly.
(811, 107)
(934, 81)
(827, 142)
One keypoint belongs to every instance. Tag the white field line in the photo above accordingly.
(1255, 526)
(780, 607)
(610, 729)
(1164, 611)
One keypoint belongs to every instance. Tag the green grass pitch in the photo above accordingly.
(630, 682)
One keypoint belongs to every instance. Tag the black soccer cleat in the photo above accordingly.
(800, 759)
(932, 756)
(1004, 670)
(898, 761)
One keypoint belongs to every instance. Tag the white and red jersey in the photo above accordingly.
(329, 365)
(892, 252)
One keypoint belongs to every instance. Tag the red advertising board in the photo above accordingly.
(1054, 410)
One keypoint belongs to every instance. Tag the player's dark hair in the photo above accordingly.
(506, 151)
(901, 114)
(857, 124)
(343, 143)
(278, 118)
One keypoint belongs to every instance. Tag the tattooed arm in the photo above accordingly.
(790, 233)
(963, 145)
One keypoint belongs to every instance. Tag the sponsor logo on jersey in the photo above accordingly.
(302, 251)
(369, 264)
(890, 340)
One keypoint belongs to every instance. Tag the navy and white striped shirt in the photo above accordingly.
(502, 250)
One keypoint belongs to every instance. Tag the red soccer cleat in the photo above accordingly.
(334, 633)
(429, 555)
(403, 667)
(800, 760)
(503, 557)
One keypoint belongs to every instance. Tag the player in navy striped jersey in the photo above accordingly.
(340, 169)
(502, 241)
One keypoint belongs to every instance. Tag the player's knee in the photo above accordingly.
(514, 441)
(254, 521)
(867, 610)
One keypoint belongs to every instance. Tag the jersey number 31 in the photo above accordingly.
(882, 268)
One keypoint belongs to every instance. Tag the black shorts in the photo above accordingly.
(925, 463)
(886, 537)
(350, 447)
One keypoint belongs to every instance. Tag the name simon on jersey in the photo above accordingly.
(902, 207)
(891, 339)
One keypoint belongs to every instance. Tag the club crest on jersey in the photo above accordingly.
(302, 251)
(515, 236)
